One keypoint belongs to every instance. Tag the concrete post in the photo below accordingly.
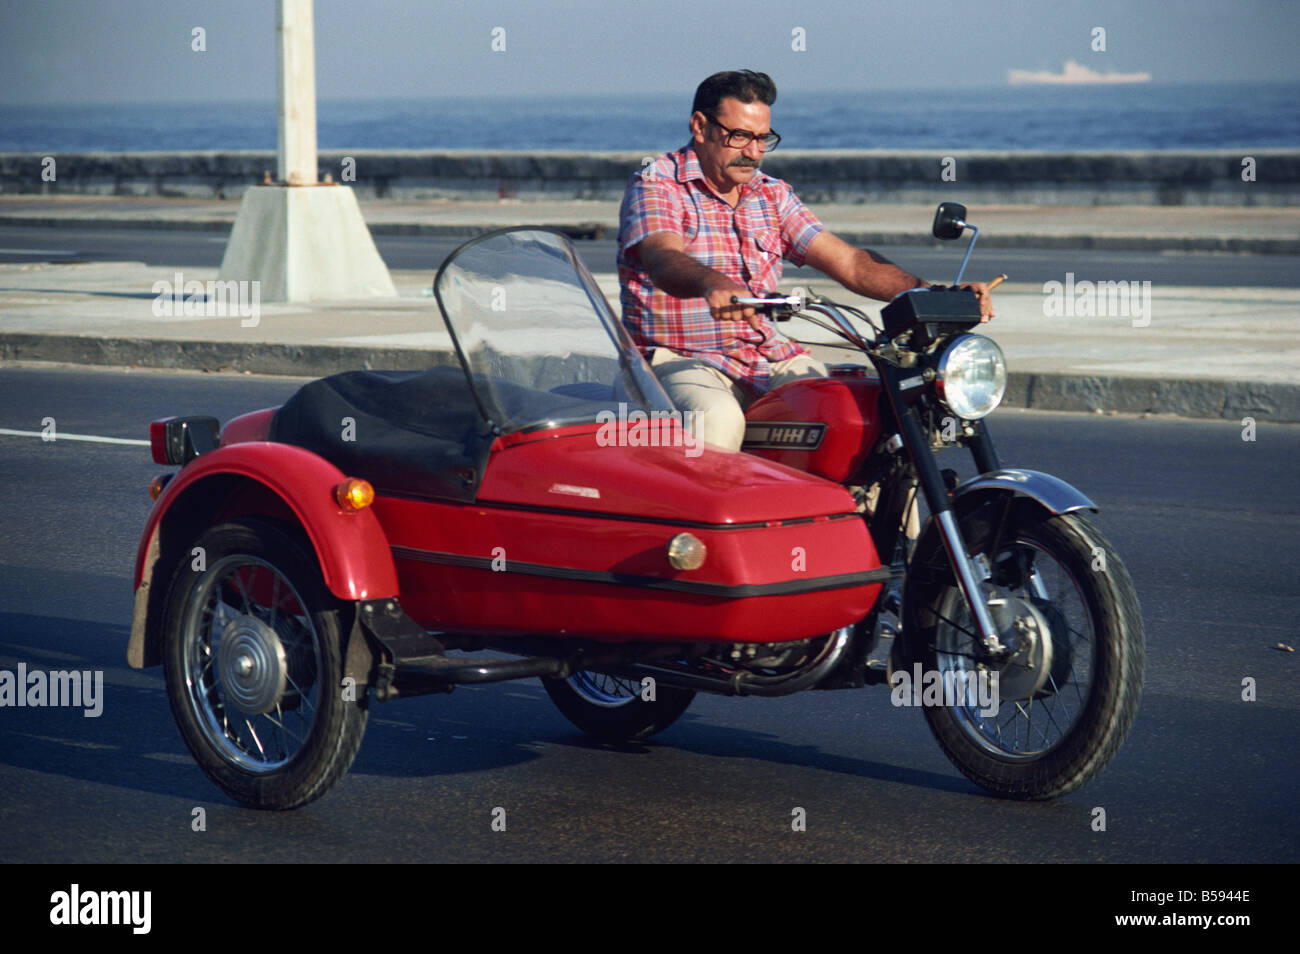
(299, 240)
(296, 85)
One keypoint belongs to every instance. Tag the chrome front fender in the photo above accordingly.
(1052, 492)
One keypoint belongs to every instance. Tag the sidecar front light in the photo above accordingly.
(687, 552)
(971, 376)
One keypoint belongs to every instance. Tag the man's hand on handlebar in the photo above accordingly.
(984, 294)
(720, 306)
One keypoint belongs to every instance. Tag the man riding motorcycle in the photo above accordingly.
(703, 224)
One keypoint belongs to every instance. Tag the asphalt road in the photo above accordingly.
(204, 250)
(1207, 524)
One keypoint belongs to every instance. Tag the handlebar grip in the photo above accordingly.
(777, 308)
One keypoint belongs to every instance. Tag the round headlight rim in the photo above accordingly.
(941, 373)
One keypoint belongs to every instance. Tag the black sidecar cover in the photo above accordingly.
(414, 433)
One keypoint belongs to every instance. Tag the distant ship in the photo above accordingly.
(1072, 74)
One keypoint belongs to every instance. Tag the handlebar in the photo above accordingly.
(784, 308)
(781, 309)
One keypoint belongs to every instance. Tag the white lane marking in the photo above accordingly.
(60, 436)
(34, 251)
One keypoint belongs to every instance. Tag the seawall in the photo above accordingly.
(1262, 177)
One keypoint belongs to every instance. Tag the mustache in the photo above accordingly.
(745, 162)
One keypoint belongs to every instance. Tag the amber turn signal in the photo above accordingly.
(686, 552)
(157, 484)
(354, 494)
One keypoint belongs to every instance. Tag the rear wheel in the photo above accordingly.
(1068, 692)
(252, 644)
(615, 708)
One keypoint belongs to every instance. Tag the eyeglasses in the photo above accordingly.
(740, 138)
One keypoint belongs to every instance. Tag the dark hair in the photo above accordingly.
(744, 85)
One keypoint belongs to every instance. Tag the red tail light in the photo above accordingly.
(178, 440)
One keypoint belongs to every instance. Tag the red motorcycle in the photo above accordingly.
(540, 497)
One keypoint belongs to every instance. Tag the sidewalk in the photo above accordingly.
(1262, 230)
(1199, 352)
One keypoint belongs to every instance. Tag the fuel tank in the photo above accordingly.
(823, 426)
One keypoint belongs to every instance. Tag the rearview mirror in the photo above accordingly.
(949, 220)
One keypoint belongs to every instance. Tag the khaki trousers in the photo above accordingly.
(718, 401)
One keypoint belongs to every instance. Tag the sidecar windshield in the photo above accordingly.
(538, 341)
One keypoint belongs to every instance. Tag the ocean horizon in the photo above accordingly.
(1053, 118)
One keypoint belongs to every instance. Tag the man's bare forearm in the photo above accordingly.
(682, 276)
(675, 272)
(875, 276)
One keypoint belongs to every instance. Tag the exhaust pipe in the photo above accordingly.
(743, 682)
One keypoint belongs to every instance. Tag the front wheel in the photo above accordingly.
(1068, 688)
(252, 652)
(614, 708)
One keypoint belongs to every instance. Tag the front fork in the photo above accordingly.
(936, 495)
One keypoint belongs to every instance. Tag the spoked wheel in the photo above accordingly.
(252, 652)
(614, 708)
(1069, 684)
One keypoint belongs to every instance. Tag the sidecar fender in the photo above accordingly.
(264, 479)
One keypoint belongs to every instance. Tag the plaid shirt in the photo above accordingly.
(746, 244)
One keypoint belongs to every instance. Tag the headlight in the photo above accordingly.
(972, 376)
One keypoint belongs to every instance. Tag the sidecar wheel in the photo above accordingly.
(1068, 715)
(611, 708)
(252, 653)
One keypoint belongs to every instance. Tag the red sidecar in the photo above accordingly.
(540, 497)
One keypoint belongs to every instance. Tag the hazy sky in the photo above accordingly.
(98, 51)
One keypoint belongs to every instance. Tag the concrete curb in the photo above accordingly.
(257, 358)
(90, 222)
(602, 231)
(1206, 399)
